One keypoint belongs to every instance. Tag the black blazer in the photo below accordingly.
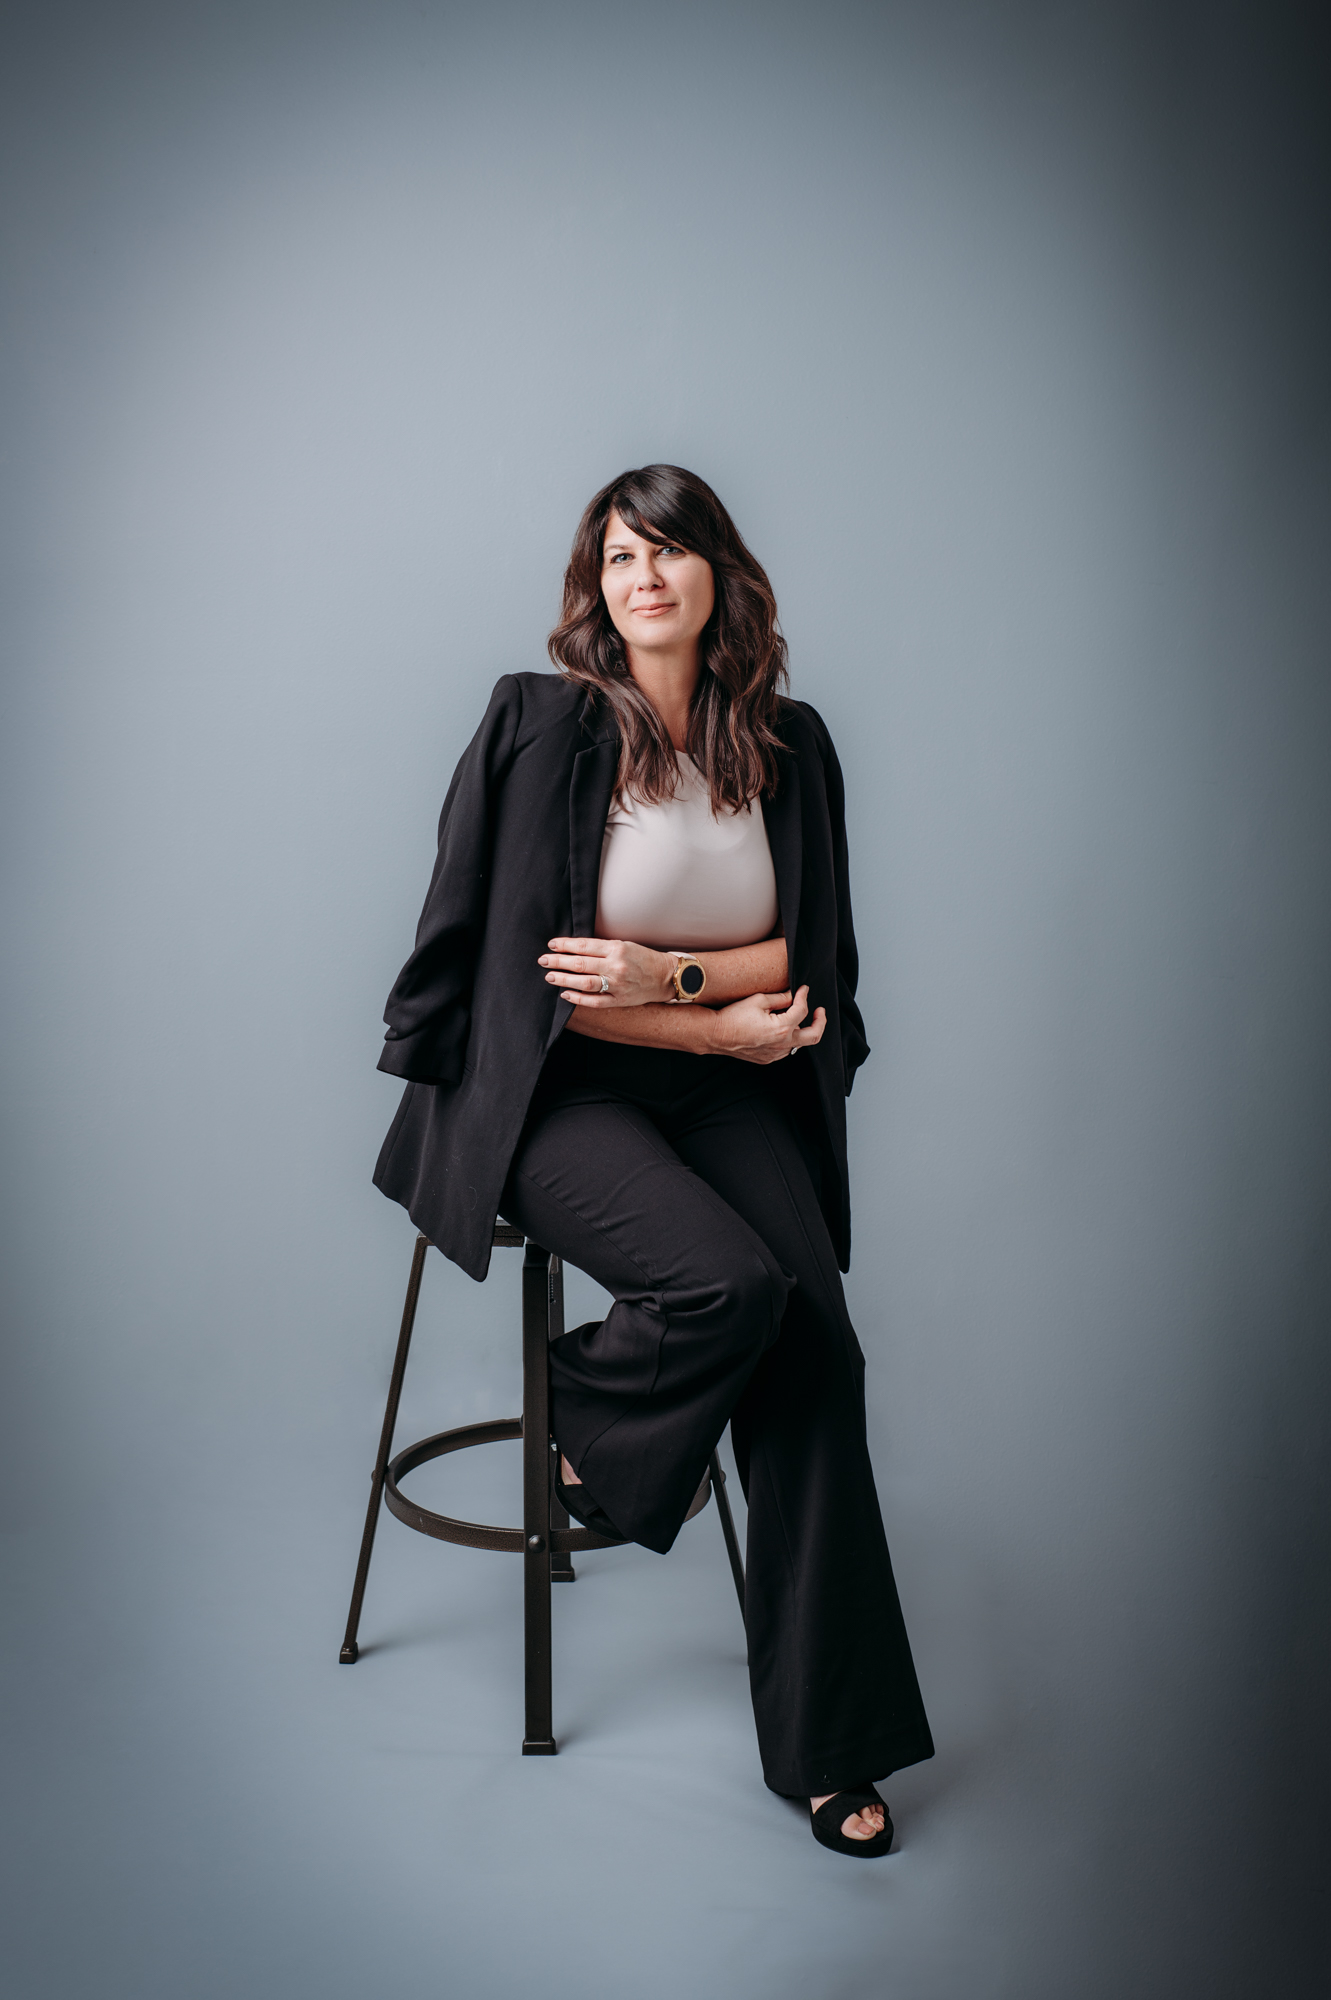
(471, 1018)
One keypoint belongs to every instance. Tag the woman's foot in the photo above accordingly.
(851, 1821)
(568, 1477)
(579, 1503)
(866, 1824)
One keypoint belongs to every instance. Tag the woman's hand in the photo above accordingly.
(635, 974)
(766, 1026)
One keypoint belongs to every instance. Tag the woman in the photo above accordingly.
(639, 920)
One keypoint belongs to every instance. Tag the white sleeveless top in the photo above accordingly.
(674, 875)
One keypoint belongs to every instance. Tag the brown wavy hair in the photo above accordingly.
(732, 720)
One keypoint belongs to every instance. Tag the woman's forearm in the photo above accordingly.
(606, 974)
(691, 1030)
(749, 968)
(751, 1028)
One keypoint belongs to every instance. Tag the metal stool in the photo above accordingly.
(545, 1541)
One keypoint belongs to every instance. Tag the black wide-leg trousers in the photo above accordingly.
(677, 1182)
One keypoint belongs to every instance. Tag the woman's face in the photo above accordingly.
(659, 596)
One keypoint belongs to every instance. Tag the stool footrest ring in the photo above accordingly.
(472, 1534)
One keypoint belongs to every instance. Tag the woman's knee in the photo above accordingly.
(754, 1291)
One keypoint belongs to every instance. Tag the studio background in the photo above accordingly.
(1002, 332)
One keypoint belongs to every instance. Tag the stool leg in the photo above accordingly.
(561, 1562)
(538, 1740)
(350, 1650)
(728, 1528)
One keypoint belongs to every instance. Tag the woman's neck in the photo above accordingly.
(668, 681)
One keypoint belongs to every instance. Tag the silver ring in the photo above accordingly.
(605, 984)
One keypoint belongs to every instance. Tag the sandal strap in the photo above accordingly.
(841, 1805)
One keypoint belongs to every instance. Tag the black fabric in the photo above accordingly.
(471, 1018)
(679, 1183)
(578, 1502)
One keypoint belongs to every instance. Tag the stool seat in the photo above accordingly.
(546, 1539)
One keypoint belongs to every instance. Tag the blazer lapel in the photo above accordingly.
(589, 798)
(781, 815)
(590, 793)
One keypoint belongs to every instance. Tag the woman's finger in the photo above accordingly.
(792, 998)
(583, 947)
(812, 1032)
(583, 982)
(566, 962)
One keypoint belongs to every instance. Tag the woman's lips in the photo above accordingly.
(651, 610)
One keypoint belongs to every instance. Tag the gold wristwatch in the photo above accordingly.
(688, 978)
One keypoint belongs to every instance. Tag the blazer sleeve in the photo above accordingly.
(429, 1009)
(854, 1046)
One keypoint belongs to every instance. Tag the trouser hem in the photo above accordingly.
(834, 1774)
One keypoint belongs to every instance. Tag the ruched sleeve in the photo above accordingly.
(429, 1009)
(854, 1046)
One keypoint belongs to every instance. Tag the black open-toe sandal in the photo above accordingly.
(582, 1507)
(826, 1822)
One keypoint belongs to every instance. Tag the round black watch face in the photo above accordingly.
(692, 978)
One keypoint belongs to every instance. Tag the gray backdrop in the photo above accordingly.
(1002, 332)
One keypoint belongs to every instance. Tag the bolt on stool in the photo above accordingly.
(545, 1541)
